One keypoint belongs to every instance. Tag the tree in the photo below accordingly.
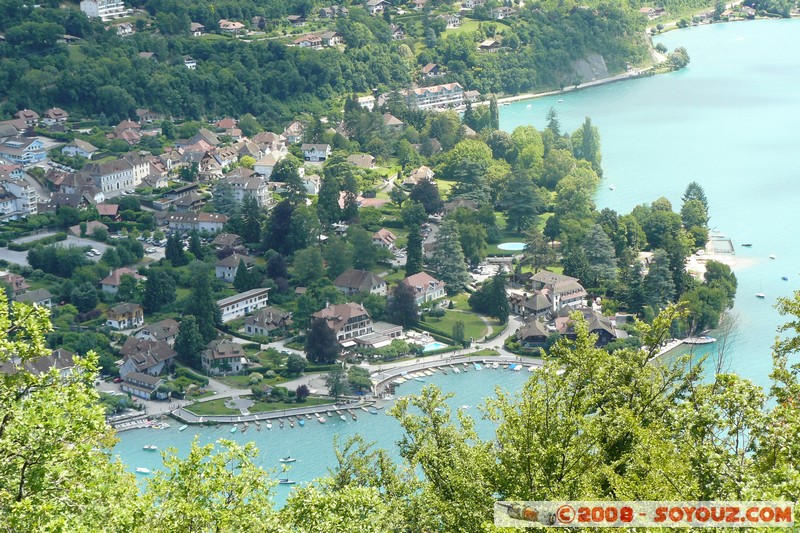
(586, 145)
(308, 265)
(397, 196)
(521, 202)
(245, 278)
(321, 347)
(538, 252)
(55, 471)
(276, 267)
(296, 364)
(414, 253)
(174, 253)
(189, 343)
(413, 214)
(494, 113)
(448, 258)
(225, 199)
(658, 288)
(302, 393)
(679, 58)
(129, 290)
(279, 228)
(251, 219)
(159, 290)
(195, 246)
(695, 192)
(336, 382)
(328, 208)
(695, 220)
(457, 332)
(84, 297)
(201, 304)
(338, 257)
(249, 125)
(365, 252)
(287, 171)
(552, 122)
(402, 308)
(426, 192)
(599, 252)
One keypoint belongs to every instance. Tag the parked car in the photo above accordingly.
(117, 379)
(151, 250)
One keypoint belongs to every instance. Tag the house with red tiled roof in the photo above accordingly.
(426, 287)
(384, 237)
(347, 321)
(110, 283)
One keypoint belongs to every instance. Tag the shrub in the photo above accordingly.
(255, 377)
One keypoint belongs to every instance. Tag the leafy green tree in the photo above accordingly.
(201, 304)
(414, 255)
(448, 258)
(402, 308)
(302, 393)
(308, 265)
(538, 252)
(189, 343)
(321, 347)
(494, 114)
(159, 290)
(129, 290)
(397, 196)
(246, 279)
(336, 382)
(658, 288)
(84, 297)
(296, 364)
(287, 171)
(195, 246)
(338, 256)
(457, 332)
(225, 199)
(413, 214)
(586, 145)
(426, 192)
(55, 472)
(251, 219)
(491, 298)
(695, 219)
(358, 379)
(473, 242)
(276, 236)
(365, 252)
(679, 58)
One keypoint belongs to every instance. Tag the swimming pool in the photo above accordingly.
(435, 345)
(514, 246)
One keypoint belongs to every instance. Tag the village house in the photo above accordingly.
(419, 5)
(347, 321)
(472, 4)
(316, 153)
(309, 41)
(146, 356)
(29, 116)
(417, 175)
(143, 386)
(527, 304)
(361, 160)
(12, 172)
(17, 199)
(451, 206)
(383, 237)
(54, 115)
(651, 12)
(145, 116)
(451, 20)
(374, 7)
(432, 70)
(243, 303)
(426, 287)
(269, 321)
(366, 102)
(294, 132)
(333, 11)
(231, 27)
(596, 323)
(125, 316)
(23, 151)
(197, 29)
(502, 13)
(353, 281)
(296, 21)
(227, 243)
(223, 356)
(40, 297)
(392, 122)
(125, 29)
(189, 203)
(252, 187)
(436, 96)
(398, 33)
(226, 268)
(562, 291)
(533, 334)
(110, 283)
(60, 359)
(123, 174)
(77, 147)
(16, 282)
(489, 45)
(110, 211)
(189, 62)
(186, 222)
(164, 330)
(266, 164)
(332, 38)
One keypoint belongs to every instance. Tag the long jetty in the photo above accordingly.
(187, 417)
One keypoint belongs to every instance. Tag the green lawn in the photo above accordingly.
(265, 407)
(473, 325)
(466, 25)
(213, 407)
(444, 189)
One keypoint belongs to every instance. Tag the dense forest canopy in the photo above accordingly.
(103, 72)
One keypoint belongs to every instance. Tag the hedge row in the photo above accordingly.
(25, 246)
(496, 332)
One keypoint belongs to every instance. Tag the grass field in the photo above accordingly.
(473, 325)
(466, 25)
(213, 407)
(264, 407)
(217, 407)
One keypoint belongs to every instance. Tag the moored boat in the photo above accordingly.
(150, 447)
(233, 429)
(301, 422)
(287, 459)
(747, 244)
(785, 278)
(760, 295)
(183, 427)
(286, 481)
(321, 419)
(269, 425)
(343, 417)
(142, 470)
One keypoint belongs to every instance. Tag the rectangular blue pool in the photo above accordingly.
(435, 345)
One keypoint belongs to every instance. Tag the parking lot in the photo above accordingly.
(21, 258)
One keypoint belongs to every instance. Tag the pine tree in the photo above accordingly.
(414, 252)
(251, 219)
(328, 208)
(494, 114)
(159, 290)
(201, 304)
(189, 343)
(521, 202)
(195, 246)
(174, 251)
(402, 308)
(244, 279)
(448, 258)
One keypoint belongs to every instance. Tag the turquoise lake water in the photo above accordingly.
(729, 121)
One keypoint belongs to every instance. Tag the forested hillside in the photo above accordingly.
(102, 72)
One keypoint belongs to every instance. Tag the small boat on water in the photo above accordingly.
(142, 470)
(301, 422)
(353, 416)
(378, 407)
(150, 447)
(329, 413)
(287, 459)
(531, 368)
(419, 379)
(760, 295)
(280, 423)
(286, 481)
(308, 416)
(612, 187)
(456, 370)
(246, 425)
(477, 365)
(343, 417)
(364, 409)
(183, 427)
(321, 419)
(773, 256)
(258, 427)
(373, 411)
(299, 418)
(443, 370)
(785, 278)
(291, 424)
(703, 339)
(233, 429)
(269, 425)
(495, 365)
(747, 244)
